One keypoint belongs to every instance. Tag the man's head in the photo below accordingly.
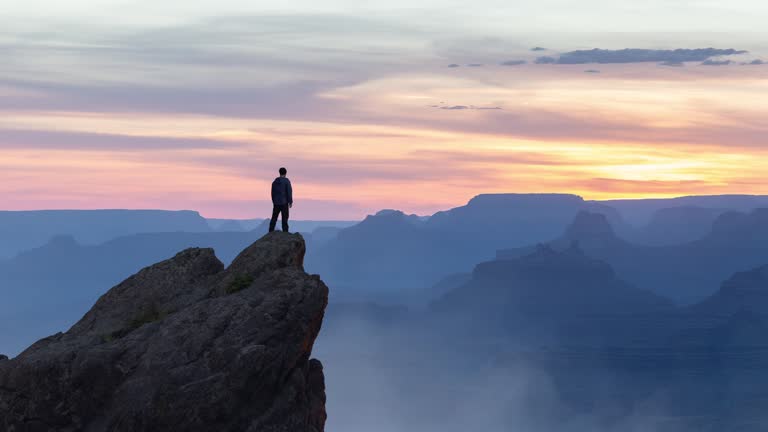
(283, 172)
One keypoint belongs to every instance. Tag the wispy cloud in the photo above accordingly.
(514, 62)
(465, 107)
(634, 55)
(713, 62)
(66, 140)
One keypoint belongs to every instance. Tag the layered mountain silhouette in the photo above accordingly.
(685, 273)
(183, 345)
(594, 352)
(744, 293)
(242, 225)
(415, 253)
(544, 290)
(553, 284)
(25, 230)
(639, 212)
(675, 225)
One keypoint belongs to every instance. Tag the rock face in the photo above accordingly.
(183, 345)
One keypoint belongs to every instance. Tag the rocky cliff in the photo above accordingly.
(183, 345)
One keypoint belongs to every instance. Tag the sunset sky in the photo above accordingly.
(404, 104)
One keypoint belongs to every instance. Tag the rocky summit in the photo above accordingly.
(183, 345)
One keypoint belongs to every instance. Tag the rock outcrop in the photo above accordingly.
(183, 345)
(590, 231)
(547, 286)
(743, 292)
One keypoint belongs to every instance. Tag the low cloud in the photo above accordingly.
(546, 60)
(615, 185)
(538, 48)
(475, 65)
(672, 64)
(58, 140)
(755, 62)
(290, 100)
(494, 157)
(592, 71)
(464, 107)
(514, 63)
(635, 55)
(453, 65)
(711, 62)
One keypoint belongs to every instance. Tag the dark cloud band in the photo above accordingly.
(634, 55)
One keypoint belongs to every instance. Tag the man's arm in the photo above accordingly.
(272, 192)
(289, 190)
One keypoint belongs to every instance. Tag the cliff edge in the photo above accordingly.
(183, 345)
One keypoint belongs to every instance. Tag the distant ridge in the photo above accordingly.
(24, 230)
(639, 211)
(686, 272)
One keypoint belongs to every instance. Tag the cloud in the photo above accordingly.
(514, 63)
(712, 62)
(672, 64)
(475, 65)
(453, 65)
(538, 48)
(614, 185)
(464, 107)
(755, 62)
(635, 55)
(323, 170)
(38, 139)
(291, 100)
(530, 122)
(493, 157)
(239, 66)
(293, 45)
(592, 71)
(546, 60)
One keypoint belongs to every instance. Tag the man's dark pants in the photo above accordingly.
(277, 210)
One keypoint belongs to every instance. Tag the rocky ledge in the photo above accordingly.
(183, 345)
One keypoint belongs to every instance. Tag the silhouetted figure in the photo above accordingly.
(282, 199)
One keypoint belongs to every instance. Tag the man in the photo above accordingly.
(282, 199)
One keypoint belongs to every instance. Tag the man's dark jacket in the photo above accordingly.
(282, 192)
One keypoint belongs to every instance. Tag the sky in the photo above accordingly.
(414, 105)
